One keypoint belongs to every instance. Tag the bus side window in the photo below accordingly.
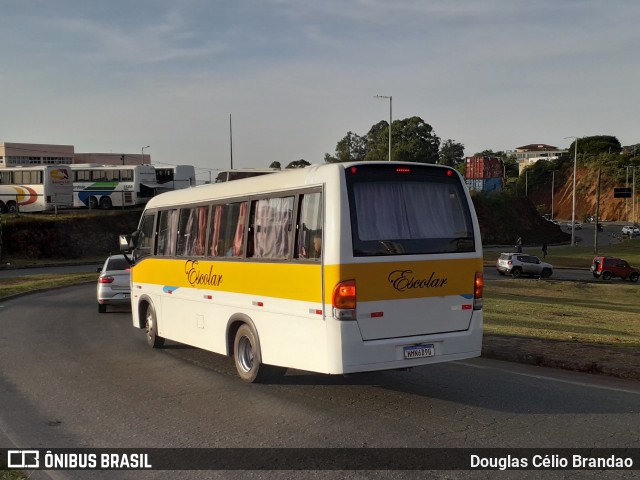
(192, 231)
(227, 230)
(271, 223)
(167, 232)
(144, 245)
(309, 234)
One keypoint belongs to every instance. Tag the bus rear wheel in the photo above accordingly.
(106, 203)
(151, 325)
(248, 358)
(12, 207)
(93, 203)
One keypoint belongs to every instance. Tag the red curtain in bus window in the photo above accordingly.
(238, 240)
(217, 217)
(202, 230)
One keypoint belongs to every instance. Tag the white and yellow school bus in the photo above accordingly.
(337, 268)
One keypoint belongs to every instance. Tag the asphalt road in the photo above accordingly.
(70, 377)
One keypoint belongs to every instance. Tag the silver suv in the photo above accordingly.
(518, 264)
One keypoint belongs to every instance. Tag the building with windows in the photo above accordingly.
(29, 154)
(25, 154)
(530, 154)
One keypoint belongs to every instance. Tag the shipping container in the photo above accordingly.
(484, 184)
(484, 167)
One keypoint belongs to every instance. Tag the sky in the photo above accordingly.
(204, 81)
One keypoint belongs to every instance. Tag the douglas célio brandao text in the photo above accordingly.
(575, 461)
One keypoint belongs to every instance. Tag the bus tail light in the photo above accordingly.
(478, 291)
(344, 300)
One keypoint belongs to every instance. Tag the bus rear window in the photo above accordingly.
(417, 210)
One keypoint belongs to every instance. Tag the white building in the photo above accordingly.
(17, 154)
(530, 154)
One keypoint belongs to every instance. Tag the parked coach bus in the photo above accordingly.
(108, 186)
(338, 268)
(175, 177)
(35, 189)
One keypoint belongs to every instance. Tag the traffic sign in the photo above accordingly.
(622, 192)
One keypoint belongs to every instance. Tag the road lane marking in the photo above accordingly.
(545, 377)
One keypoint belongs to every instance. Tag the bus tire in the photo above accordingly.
(151, 326)
(3, 208)
(106, 203)
(248, 357)
(12, 207)
(93, 202)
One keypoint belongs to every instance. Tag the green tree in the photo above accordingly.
(298, 164)
(412, 140)
(451, 153)
(596, 144)
(352, 148)
(377, 141)
(275, 165)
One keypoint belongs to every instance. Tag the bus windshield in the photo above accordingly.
(408, 211)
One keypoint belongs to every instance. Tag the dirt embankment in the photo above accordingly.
(611, 209)
(503, 219)
(66, 236)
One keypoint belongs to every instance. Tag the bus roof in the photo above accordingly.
(286, 179)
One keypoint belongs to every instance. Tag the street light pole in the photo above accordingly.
(573, 208)
(148, 146)
(390, 118)
(553, 186)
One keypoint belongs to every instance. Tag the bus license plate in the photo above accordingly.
(419, 351)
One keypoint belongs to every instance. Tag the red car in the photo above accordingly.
(609, 267)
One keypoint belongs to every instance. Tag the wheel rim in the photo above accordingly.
(245, 354)
(149, 326)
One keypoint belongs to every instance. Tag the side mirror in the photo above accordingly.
(126, 243)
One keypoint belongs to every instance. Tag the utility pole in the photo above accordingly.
(595, 230)
(231, 141)
(553, 187)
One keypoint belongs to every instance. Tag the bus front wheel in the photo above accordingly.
(248, 358)
(151, 325)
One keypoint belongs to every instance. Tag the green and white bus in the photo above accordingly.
(107, 186)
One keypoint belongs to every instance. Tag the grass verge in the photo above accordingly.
(589, 313)
(29, 283)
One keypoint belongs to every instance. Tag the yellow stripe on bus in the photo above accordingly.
(402, 280)
(297, 281)
(278, 280)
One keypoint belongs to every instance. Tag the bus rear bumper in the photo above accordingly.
(389, 354)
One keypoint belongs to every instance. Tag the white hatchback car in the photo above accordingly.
(518, 264)
(114, 283)
(631, 230)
